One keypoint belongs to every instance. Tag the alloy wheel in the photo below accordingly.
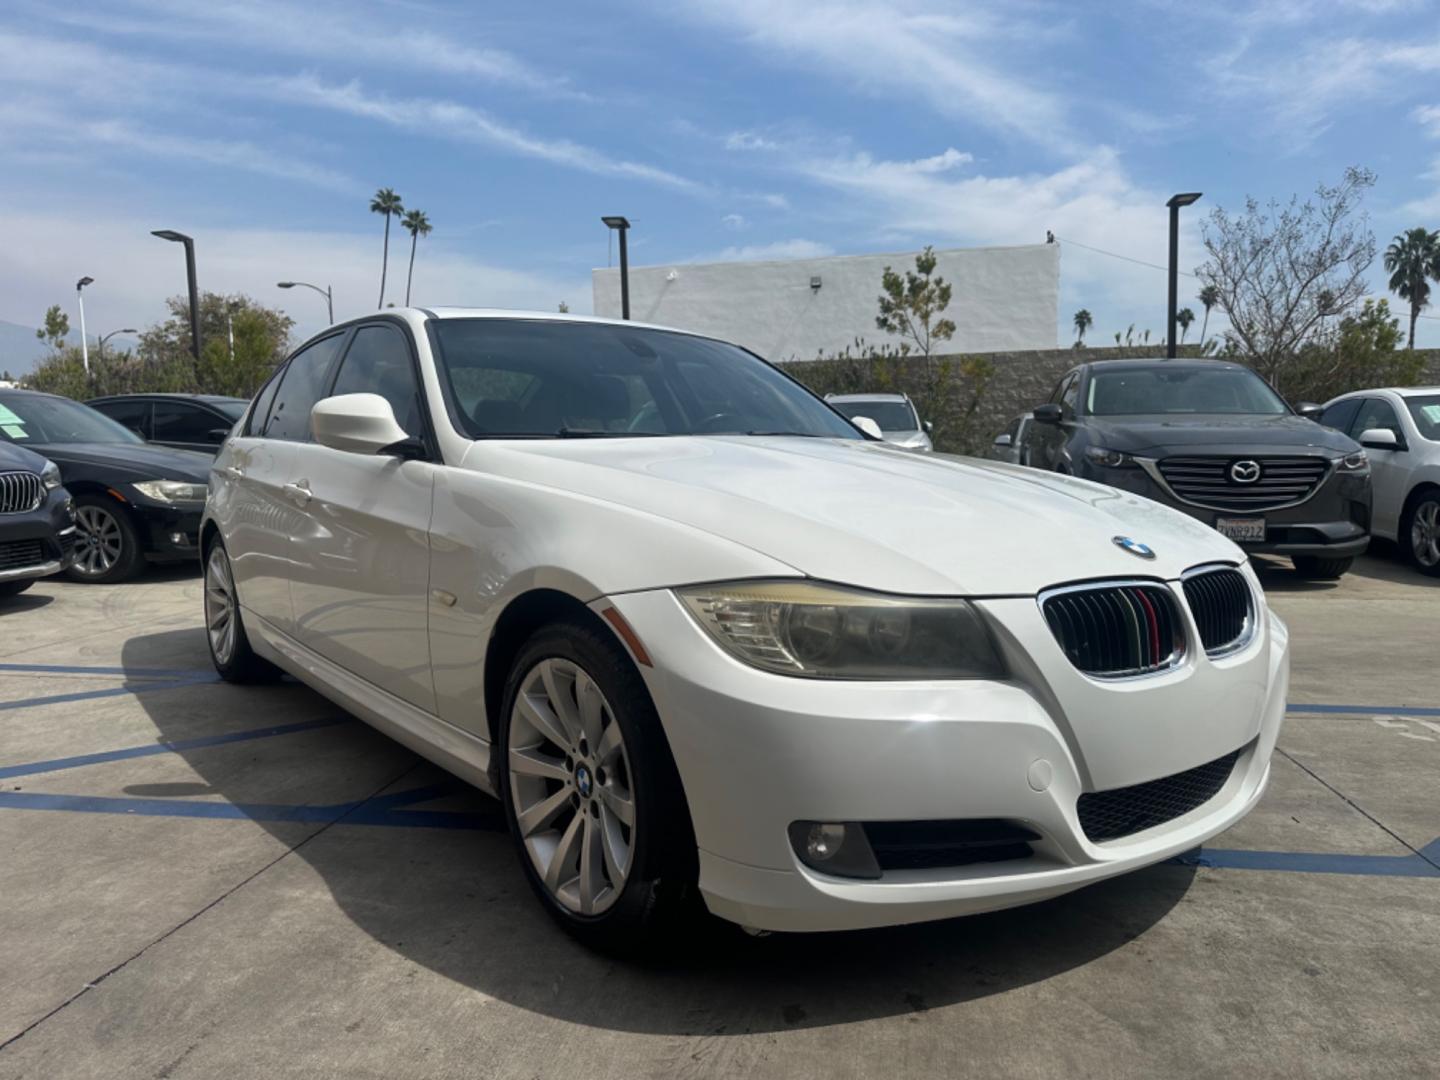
(570, 786)
(99, 540)
(1425, 534)
(220, 605)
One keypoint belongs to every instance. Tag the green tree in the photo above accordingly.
(1209, 297)
(564, 308)
(56, 328)
(262, 338)
(1184, 317)
(1411, 259)
(417, 225)
(910, 307)
(385, 202)
(1083, 322)
(1363, 351)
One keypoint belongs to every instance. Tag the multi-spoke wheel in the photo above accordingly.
(107, 548)
(591, 792)
(1420, 532)
(570, 786)
(230, 650)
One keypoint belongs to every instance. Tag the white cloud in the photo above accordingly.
(735, 222)
(780, 249)
(1428, 117)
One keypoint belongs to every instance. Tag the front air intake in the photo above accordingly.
(1116, 630)
(1109, 815)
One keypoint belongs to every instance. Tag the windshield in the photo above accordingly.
(1140, 391)
(39, 419)
(890, 415)
(1426, 411)
(527, 378)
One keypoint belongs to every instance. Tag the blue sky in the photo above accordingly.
(724, 129)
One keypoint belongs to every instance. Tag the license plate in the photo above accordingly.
(1241, 528)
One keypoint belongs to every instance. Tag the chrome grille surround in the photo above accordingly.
(1116, 629)
(1205, 480)
(20, 492)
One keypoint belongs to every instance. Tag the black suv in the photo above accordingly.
(37, 519)
(185, 421)
(1213, 440)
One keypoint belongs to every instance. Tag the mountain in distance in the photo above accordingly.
(19, 349)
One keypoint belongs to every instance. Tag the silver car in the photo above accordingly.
(893, 414)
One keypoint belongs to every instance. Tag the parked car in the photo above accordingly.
(829, 682)
(1213, 440)
(894, 415)
(184, 421)
(1007, 445)
(37, 517)
(1400, 430)
(133, 502)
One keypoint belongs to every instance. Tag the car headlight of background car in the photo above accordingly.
(1111, 459)
(50, 476)
(1356, 464)
(171, 491)
(830, 632)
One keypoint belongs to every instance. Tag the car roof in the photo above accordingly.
(169, 396)
(1153, 361)
(866, 397)
(1398, 391)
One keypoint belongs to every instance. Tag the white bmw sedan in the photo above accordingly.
(702, 636)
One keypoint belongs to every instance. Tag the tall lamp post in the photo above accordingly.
(80, 299)
(1175, 203)
(181, 238)
(325, 292)
(622, 226)
(100, 348)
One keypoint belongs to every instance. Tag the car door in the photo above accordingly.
(187, 426)
(360, 573)
(1389, 469)
(248, 491)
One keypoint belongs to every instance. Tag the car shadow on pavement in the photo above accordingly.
(1384, 561)
(454, 900)
(24, 602)
(1277, 575)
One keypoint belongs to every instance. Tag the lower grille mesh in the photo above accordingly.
(17, 554)
(1108, 815)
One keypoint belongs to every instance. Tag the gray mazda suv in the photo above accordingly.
(1213, 440)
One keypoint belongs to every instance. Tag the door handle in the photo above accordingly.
(299, 492)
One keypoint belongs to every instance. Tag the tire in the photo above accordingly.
(14, 588)
(225, 635)
(107, 547)
(1420, 531)
(565, 799)
(1313, 566)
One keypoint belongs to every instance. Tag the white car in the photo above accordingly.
(893, 414)
(697, 631)
(1400, 430)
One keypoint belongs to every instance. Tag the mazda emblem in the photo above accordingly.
(1245, 472)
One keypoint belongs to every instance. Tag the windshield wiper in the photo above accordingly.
(600, 433)
(788, 434)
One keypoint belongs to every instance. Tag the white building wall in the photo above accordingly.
(1004, 299)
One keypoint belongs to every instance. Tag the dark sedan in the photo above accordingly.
(183, 421)
(37, 518)
(133, 502)
(1213, 440)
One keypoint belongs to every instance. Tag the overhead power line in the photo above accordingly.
(1117, 255)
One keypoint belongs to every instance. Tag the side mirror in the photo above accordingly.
(217, 435)
(1003, 439)
(1309, 410)
(357, 423)
(1047, 414)
(928, 425)
(1379, 439)
(868, 426)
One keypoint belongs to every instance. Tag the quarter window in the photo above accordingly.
(378, 362)
(302, 385)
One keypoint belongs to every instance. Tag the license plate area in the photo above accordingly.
(1241, 529)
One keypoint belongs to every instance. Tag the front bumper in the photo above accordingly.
(1333, 523)
(170, 533)
(758, 751)
(40, 542)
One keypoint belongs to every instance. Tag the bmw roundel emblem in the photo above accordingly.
(1134, 547)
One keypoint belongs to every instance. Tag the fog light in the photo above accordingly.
(832, 847)
(178, 539)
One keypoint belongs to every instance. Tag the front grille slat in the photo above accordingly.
(1116, 629)
(19, 554)
(1223, 607)
(1206, 481)
(1110, 815)
(20, 492)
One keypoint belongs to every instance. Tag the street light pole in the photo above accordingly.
(80, 299)
(1175, 203)
(100, 348)
(325, 292)
(181, 238)
(622, 226)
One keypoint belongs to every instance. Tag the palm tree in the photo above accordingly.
(385, 202)
(1209, 296)
(1184, 317)
(1411, 257)
(418, 225)
(1083, 322)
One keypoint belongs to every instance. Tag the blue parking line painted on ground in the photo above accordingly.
(60, 764)
(1308, 862)
(1365, 710)
(78, 669)
(114, 691)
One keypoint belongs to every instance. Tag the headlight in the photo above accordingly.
(1356, 464)
(829, 632)
(1111, 459)
(171, 491)
(50, 476)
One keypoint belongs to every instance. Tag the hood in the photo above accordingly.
(126, 462)
(871, 515)
(14, 456)
(1219, 432)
